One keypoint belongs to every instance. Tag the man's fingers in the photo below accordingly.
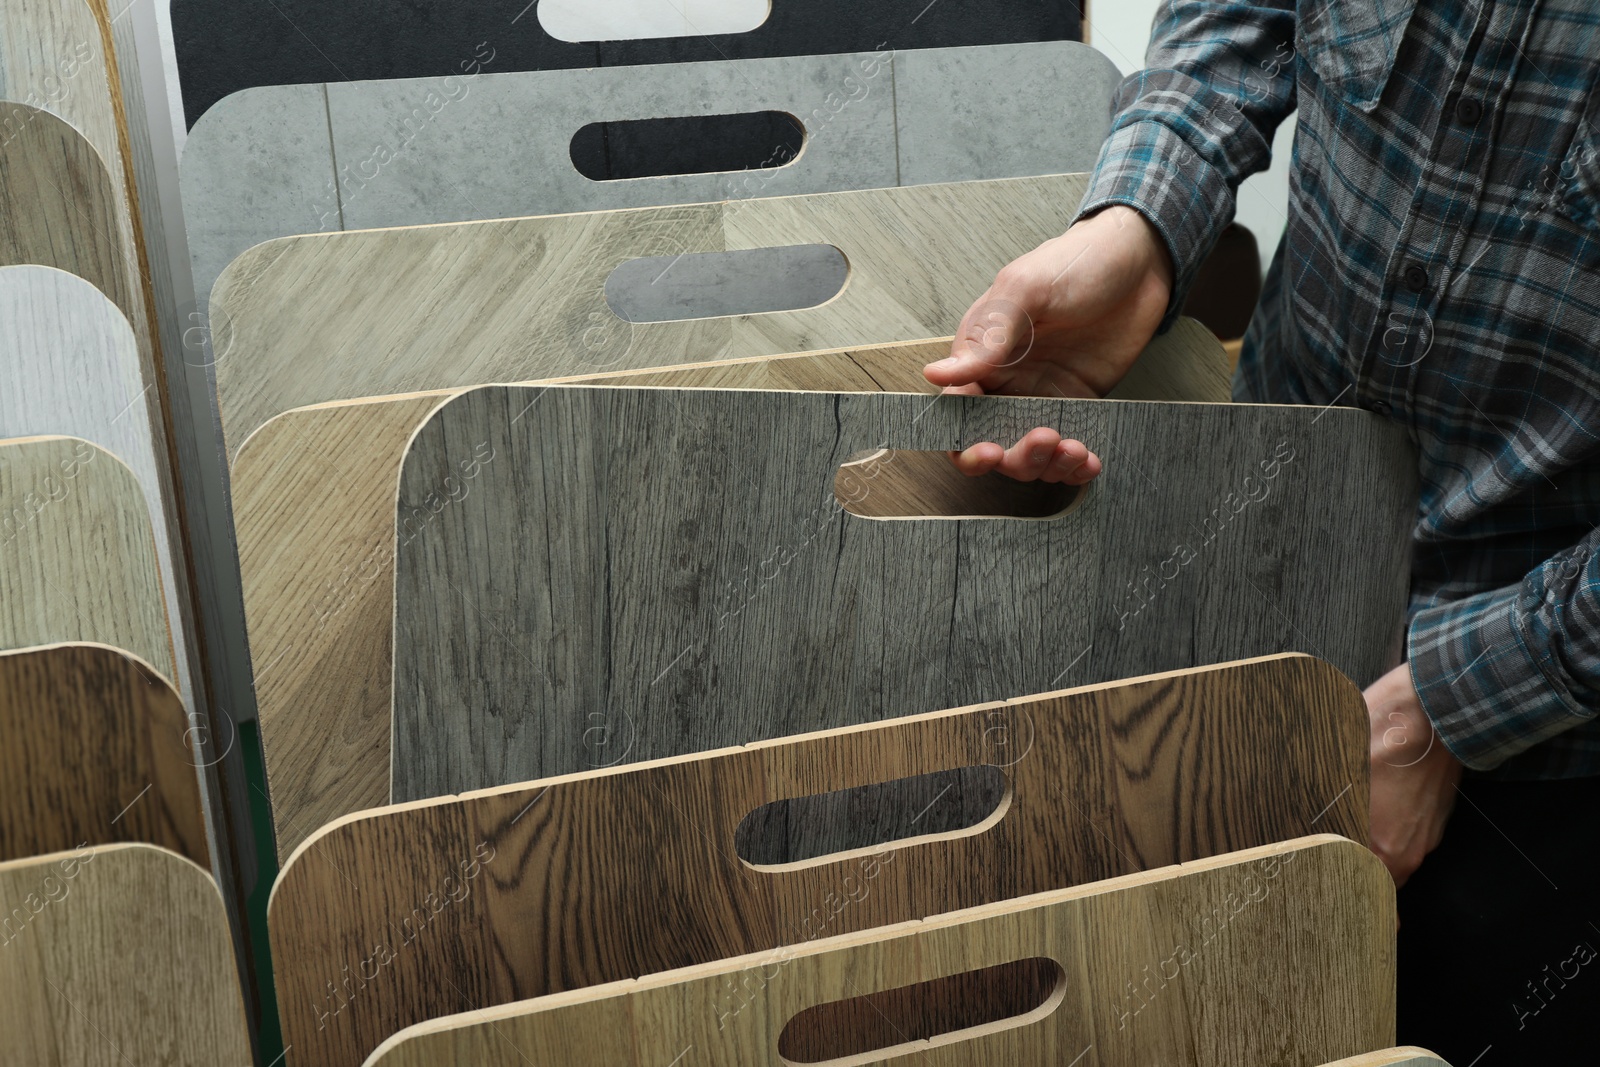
(1073, 464)
(1031, 457)
(979, 459)
(994, 334)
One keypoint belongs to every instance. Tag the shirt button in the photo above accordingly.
(1468, 110)
(1416, 278)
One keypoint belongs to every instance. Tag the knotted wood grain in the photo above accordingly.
(77, 557)
(117, 954)
(338, 316)
(313, 499)
(1280, 954)
(589, 575)
(97, 751)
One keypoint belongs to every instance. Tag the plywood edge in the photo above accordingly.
(166, 856)
(152, 675)
(1361, 859)
(1406, 1056)
(289, 865)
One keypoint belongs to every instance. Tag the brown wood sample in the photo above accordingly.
(590, 575)
(338, 316)
(1394, 1057)
(1282, 954)
(78, 558)
(313, 502)
(117, 954)
(440, 906)
(97, 751)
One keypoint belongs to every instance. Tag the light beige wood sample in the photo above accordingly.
(97, 751)
(1394, 1057)
(313, 499)
(338, 316)
(77, 556)
(115, 955)
(590, 878)
(1277, 955)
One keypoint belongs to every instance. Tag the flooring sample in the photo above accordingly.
(294, 42)
(1103, 781)
(318, 567)
(306, 320)
(97, 751)
(77, 367)
(1394, 1057)
(1271, 955)
(117, 954)
(550, 591)
(279, 160)
(77, 556)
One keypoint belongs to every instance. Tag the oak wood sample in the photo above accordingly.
(222, 52)
(1394, 1057)
(586, 575)
(117, 954)
(97, 751)
(313, 498)
(338, 316)
(273, 161)
(76, 369)
(590, 878)
(77, 559)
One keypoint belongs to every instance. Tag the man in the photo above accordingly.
(1441, 267)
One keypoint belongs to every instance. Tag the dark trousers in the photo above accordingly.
(1500, 929)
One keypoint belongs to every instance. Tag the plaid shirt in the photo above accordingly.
(1441, 266)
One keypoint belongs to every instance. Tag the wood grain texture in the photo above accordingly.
(305, 320)
(591, 878)
(113, 955)
(97, 751)
(587, 575)
(1394, 1057)
(313, 499)
(77, 558)
(266, 162)
(74, 366)
(1277, 955)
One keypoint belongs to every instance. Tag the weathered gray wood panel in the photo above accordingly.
(586, 576)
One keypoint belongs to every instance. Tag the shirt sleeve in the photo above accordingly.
(1219, 79)
(1500, 672)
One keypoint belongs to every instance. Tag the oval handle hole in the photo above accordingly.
(897, 1022)
(826, 827)
(633, 20)
(707, 285)
(904, 484)
(697, 144)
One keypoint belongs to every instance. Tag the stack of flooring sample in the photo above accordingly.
(669, 589)
(481, 900)
(117, 954)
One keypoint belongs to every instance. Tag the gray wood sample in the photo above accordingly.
(588, 575)
(279, 160)
(306, 320)
(72, 367)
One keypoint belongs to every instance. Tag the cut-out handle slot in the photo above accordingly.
(897, 1022)
(895, 484)
(634, 20)
(706, 285)
(941, 805)
(698, 144)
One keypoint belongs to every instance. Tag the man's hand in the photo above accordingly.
(1413, 776)
(1067, 319)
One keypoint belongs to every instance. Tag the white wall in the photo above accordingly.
(1121, 29)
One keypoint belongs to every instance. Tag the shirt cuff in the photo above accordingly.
(1486, 672)
(1147, 166)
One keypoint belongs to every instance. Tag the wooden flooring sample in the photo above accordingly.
(77, 559)
(294, 42)
(586, 879)
(586, 575)
(1394, 1057)
(279, 160)
(339, 316)
(97, 751)
(75, 366)
(114, 955)
(318, 566)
